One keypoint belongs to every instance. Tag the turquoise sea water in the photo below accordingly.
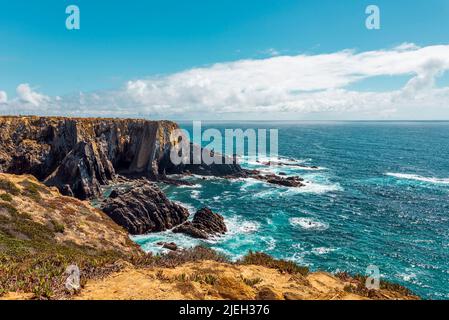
(379, 197)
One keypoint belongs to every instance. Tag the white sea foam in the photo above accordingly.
(270, 241)
(322, 250)
(419, 178)
(249, 183)
(274, 161)
(195, 194)
(318, 188)
(194, 186)
(149, 241)
(310, 187)
(237, 225)
(308, 224)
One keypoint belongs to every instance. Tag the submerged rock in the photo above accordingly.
(277, 179)
(168, 245)
(205, 223)
(143, 208)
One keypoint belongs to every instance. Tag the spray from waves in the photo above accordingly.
(308, 224)
(195, 194)
(148, 242)
(419, 178)
(252, 162)
(322, 250)
(317, 188)
(194, 186)
(237, 225)
(280, 191)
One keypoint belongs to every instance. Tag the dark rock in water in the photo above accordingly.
(143, 208)
(270, 178)
(168, 245)
(286, 182)
(205, 223)
(282, 173)
(194, 163)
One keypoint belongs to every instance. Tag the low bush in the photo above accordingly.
(6, 197)
(265, 260)
(9, 187)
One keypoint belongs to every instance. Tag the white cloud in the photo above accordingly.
(283, 85)
(303, 83)
(3, 97)
(26, 95)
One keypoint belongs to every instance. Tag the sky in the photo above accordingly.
(226, 59)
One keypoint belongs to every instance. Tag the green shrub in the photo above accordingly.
(8, 207)
(251, 282)
(31, 190)
(9, 187)
(358, 286)
(58, 227)
(176, 258)
(263, 259)
(6, 197)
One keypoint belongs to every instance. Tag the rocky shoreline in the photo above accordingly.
(53, 169)
(82, 156)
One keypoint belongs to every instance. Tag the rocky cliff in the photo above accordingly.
(141, 207)
(79, 155)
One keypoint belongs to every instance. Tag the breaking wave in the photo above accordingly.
(419, 178)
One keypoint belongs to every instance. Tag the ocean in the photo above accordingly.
(379, 196)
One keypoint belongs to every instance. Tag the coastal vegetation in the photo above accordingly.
(48, 224)
(41, 234)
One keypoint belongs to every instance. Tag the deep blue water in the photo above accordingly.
(380, 197)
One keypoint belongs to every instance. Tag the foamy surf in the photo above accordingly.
(322, 250)
(308, 224)
(419, 178)
(237, 225)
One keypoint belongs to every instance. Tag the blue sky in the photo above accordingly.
(122, 41)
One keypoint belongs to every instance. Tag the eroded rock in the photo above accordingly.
(205, 224)
(143, 208)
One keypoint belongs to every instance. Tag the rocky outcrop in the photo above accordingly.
(278, 179)
(80, 173)
(205, 224)
(193, 162)
(141, 207)
(78, 155)
(168, 245)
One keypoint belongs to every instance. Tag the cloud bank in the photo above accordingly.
(290, 85)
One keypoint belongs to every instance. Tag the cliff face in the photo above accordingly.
(78, 155)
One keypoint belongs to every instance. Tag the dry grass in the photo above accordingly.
(357, 285)
(263, 259)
